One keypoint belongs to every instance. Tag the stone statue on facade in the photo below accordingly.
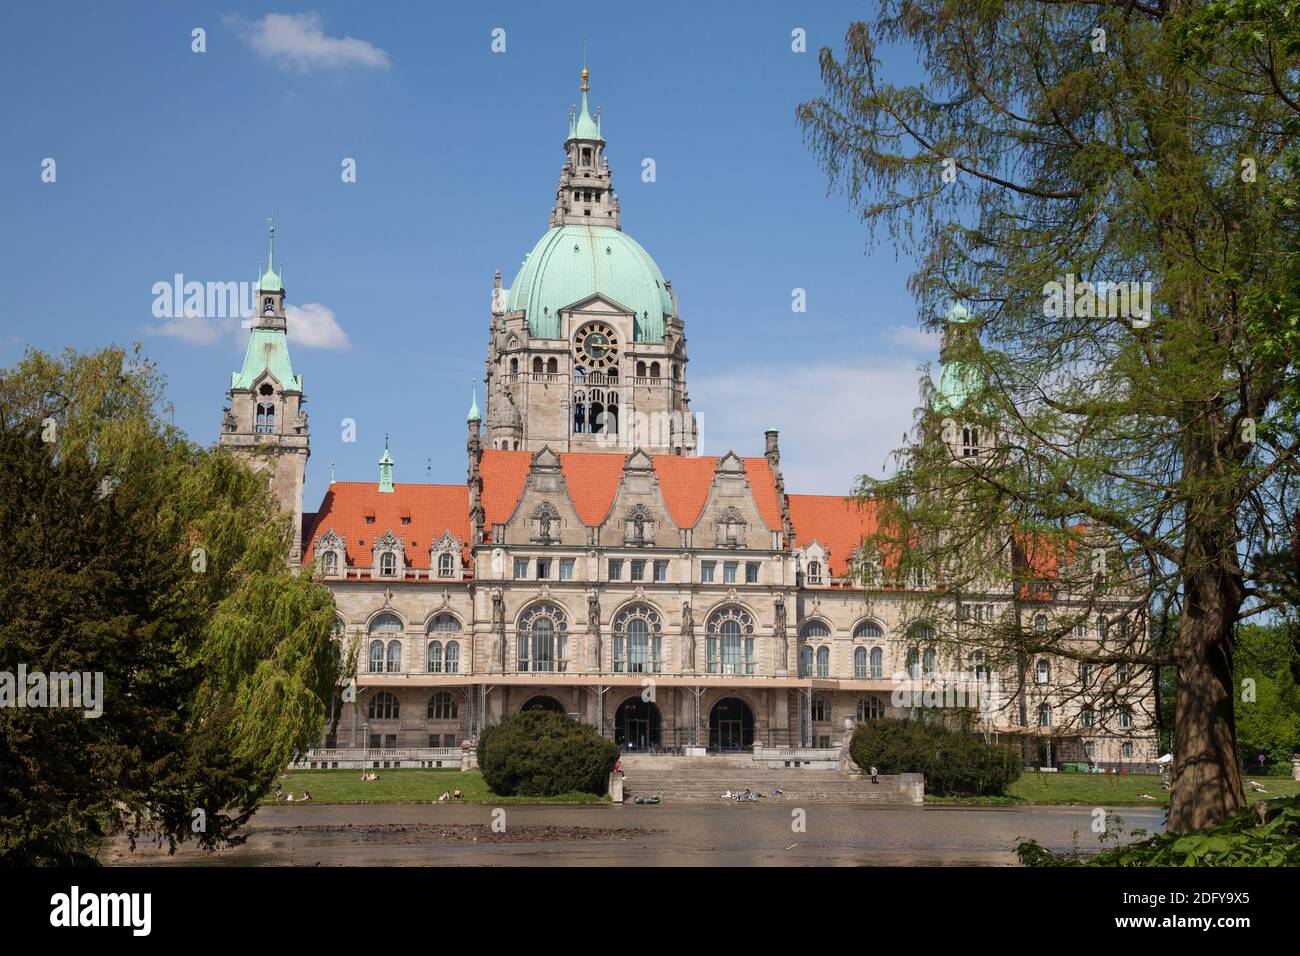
(498, 629)
(593, 630)
(778, 632)
(688, 638)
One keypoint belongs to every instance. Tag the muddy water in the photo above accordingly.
(665, 835)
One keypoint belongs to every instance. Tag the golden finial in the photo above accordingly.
(585, 74)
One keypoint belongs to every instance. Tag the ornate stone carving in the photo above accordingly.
(498, 629)
(546, 523)
(639, 527)
(688, 637)
(778, 632)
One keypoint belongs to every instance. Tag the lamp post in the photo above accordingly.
(365, 737)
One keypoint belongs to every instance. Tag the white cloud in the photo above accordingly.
(313, 326)
(195, 329)
(298, 41)
(913, 339)
(310, 325)
(836, 421)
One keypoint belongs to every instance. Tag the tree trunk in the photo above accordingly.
(1207, 779)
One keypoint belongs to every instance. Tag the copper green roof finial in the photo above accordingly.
(474, 415)
(270, 281)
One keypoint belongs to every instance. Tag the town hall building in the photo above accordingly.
(594, 562)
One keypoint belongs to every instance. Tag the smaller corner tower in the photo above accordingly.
(265, 421)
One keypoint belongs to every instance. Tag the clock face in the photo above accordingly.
(596, 345)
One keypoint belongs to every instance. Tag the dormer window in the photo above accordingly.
(814, 572)
(446, 565)
(388, 564)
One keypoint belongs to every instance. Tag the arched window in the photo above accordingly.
(823, 661)
(868, 629)
(542, 635)
(913, 663)
(870, 707)
(1125, 718)
(816, 628)
(977, 665)
(970, 439)
(1044, 670)
(446, 564)
(638, 640)
(820, 712)
(384, 706)
(640, 369)
(814, 572)
(330, 564)
(442, 706)
(930, 660)
(537, 365)
(877, 663)
(859, 662)
(805, 661)
(388, 563)
(611, 414)
(552, 366)
(579, 412)
(729, 639)
(595, 415)
(381, 649)
(1044, 715)
(1103, 628)
(514, 366)
(435, 657)
(654, 369)
(394, 657)
(451, 660)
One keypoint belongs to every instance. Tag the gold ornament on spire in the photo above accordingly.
(585, 74)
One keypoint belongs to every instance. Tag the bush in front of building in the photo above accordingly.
(956, 762)
(541, 753)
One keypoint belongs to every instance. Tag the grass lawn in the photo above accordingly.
(405, 786)
(1099, 790)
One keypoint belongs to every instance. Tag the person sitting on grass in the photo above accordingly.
(306, 794)
(457, 795)
(446, 795)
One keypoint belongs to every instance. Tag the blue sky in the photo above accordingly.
(170, 161)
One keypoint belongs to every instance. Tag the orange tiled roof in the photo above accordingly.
(432, 510)
(835, 522)
(503, 474)
(592, 478)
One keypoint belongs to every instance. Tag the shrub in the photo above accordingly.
(1267, 834)
(544, 754)
(955, 762)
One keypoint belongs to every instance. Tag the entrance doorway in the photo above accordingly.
(637, 724)
(543, 702)
(731, 725)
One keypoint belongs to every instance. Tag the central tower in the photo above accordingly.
(586, 350)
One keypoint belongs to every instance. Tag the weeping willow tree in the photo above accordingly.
(129, 551)
(1135, 443)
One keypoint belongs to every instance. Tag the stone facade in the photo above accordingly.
(670, 599)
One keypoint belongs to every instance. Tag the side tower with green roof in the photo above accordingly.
(959, 381)
(587, 350)
(265, 421)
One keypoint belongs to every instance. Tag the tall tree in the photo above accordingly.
(1083, 142)
(127, 551)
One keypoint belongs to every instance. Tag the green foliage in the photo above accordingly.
(1240, 840)
(1164, 437)
(1270, 723)
(540, 753)
(955, 762)
(127, 550)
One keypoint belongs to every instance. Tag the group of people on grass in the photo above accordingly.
(280, 794)
(456, 795)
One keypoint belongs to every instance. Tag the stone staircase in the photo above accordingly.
(705, 779)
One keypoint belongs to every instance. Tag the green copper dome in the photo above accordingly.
(957, 383)
(572, 262)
